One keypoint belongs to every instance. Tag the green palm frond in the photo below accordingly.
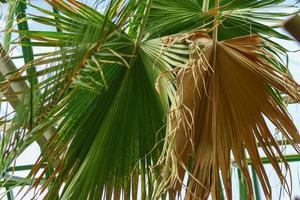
(97, 88)
(235, 18)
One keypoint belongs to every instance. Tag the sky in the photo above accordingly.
(32, 152)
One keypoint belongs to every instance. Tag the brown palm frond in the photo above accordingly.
(225, 99)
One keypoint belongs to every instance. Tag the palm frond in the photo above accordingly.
(97, 88)
(223, 112)
(235, 18)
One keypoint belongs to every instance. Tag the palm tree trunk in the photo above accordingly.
(7, 66)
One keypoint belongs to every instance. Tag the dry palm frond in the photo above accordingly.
(225, 97)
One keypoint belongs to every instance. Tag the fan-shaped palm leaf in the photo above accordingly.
(98, 90)
(225, 98)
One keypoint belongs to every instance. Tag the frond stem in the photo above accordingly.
(143, 24)
(215, 31)
(205, 6)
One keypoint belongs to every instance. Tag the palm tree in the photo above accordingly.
(135, 95)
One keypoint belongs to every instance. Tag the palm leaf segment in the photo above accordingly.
(98, 90)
